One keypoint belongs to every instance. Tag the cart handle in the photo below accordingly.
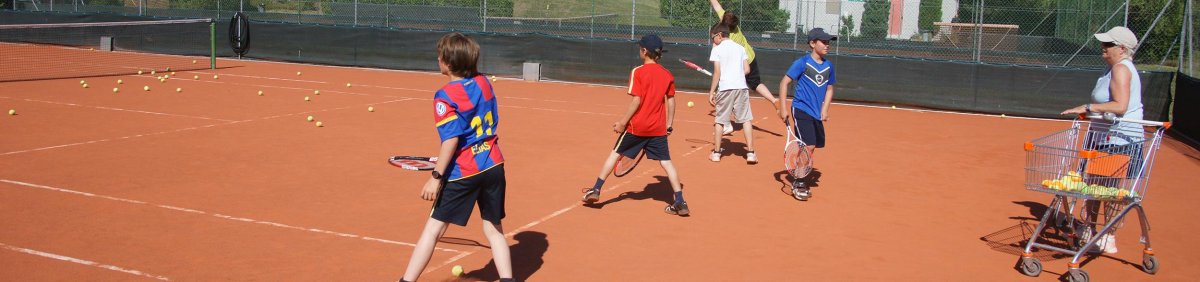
(1113, 118)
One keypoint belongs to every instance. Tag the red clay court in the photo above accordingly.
(219, 183)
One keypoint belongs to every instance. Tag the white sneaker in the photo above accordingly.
(715, 156)
(728, 128)
(751, 158)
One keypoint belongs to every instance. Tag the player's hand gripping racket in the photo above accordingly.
(413, 163)
(625, 164)
(796, 159)
(695, 67)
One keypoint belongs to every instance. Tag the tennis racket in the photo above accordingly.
(695, 67)
(625, 164)
(796, 159)
(413, 163)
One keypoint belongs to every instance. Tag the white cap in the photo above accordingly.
(1120, 36)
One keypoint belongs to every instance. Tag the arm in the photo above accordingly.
(825, 105)
(716, 5)
(445, 156)
(619, 126)
(712, 90)
(745, 67)
(670, 113)
(1118, 88)
(783, 84)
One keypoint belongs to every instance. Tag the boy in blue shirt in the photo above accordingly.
(814, 78)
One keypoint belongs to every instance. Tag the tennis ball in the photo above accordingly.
(85, 85)
(691, 104)
(893, 106)
(197, 77)
(151, 72)
(82, 82)
(457, 270)
(493, 78)
(320, 125)
(297, 73)
(1003, 116)
(260, 93)
(370, 109)
(147, 88)
(178, 89)
(347, 85)
(193, 61)
(115, 90)
(310, 118)
(317, 92)
(216, 77)
(139, 72)
(168, 69)
(172, 73)
(166, 76)
(12, 112)
(306, 98)
(120, 81)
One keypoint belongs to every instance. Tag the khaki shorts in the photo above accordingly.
(736, 101)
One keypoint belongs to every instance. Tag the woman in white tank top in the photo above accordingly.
(1118, 92)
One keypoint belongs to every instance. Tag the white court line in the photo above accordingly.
(221, 216)
(552, 215)
(115, 109)
(195, 128)
(83, 262)
(258, 77)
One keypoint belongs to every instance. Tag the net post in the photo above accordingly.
(212, 41)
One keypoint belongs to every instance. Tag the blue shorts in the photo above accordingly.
(630, 145)
(457, 199)
(810, 130)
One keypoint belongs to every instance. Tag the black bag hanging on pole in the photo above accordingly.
(239, 34)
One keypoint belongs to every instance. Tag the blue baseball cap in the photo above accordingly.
(819, 34)
(652, 42)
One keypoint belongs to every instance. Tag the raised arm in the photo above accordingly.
(716, 5)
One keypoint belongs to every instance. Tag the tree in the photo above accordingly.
(931, 12)
(754, 15)
(847, 28)
(875, 18)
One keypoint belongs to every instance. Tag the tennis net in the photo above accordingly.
(72, 50)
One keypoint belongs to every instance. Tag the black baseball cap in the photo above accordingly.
(652, 42)
(819, 34)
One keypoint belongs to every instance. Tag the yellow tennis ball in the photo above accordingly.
(893, 106)
(215, 76)
(493, 78)
(166, 76)
(310, 118)
(193, 61)
(82, 82)
(298, 73)
(85, 85)
(147, 88)
(457, 270)
(139, 72)
(317, 92)
(347, 85)
(306, 98)
(370, 109)
(1003, 116)
(197, 77)
(12, 112)
(691, 104)
(120, 81)
(178, 89)
(319, 124)
(115, 90)
(260, 93)
(151, 72)
(168, 68)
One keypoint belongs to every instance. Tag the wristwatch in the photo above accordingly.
(1087, 108)
(437, 175)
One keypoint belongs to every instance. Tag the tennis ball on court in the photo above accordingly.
(168, 68)
(893, 106)
(1003, 116)
(139, 72)
(457, 270)
(196, 77)
(193, 61)
(120, 81)
(85, 85)
(306, 98)
(298, 73)
(493, 78)
(147, 88)
(320, 125)
(12, 112)
(310, 118)
(347, 85)
(151, 72)
(370, 109)
(216, 77)
(82, 82)
(115, 90)
(691, 104)
(260, 93)
(317, 92)
(166, 76)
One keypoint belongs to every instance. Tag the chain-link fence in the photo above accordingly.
(1024, 32)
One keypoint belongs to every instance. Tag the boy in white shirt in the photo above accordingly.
(730, 66)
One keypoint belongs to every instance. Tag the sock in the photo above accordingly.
(679, 197)
(599, 183)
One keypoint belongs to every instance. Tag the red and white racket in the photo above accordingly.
(413, 163)
(695, 67)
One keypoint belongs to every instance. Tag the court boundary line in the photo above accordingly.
(83, 262)
(197, 127)
(218, 215)
(113, 109)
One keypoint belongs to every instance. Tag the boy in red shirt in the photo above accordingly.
(647, 122)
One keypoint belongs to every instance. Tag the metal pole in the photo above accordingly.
(592, 28)
(142, 7)
(796, 26)
(212, 41)
(1127, 13)
(1152, 24)
(632, 18)
(838, 47)
(979, 32)
(485, 15)
(241, 5)
(1184, 39)
(355, 12)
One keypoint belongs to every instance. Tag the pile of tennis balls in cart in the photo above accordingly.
(1072, 182)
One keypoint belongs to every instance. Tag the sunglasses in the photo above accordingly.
(1108, 44)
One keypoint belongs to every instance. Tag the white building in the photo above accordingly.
(902, 22)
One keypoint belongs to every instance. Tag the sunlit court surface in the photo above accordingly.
(216, 182)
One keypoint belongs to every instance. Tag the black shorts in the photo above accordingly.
(457, 199)
(752, 79)
(630, 145)
(809, 129)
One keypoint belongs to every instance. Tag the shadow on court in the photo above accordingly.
(659, 191)
(1011, 240)
(527, 256)
(785, 181)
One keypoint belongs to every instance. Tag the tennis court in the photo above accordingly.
(112, 172)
